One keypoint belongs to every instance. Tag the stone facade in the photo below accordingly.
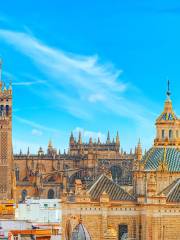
(48, 173)
(150, 210)
(6, 158)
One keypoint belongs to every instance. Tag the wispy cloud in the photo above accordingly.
(35, 125)
(86, 134)
(23, 146)
(36, 132)
(81, 84)
(28, 83)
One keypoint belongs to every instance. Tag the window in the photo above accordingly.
(50, 194)
(170, 134)
(7, 110)
(123, 232)
(17, 174)
(163, 134)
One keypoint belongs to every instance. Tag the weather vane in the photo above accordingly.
(168, 90)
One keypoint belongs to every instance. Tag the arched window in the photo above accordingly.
(17, 174)
(7, 110)
(123, 232)
(24, 194)
(1, 110)
(50, 194)
(163, 134)
(170, 134)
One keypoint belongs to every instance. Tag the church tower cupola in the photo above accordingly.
(167, 125)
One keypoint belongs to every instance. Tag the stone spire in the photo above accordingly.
(10, 87)
(71, 139)
(117, 139)
(80, 138)
(139, 151)
(90, 141)
(108, 141)
(28, 152)
(50, 144)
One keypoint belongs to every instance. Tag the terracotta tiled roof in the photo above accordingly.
(156, 156)
(105, 184)
(172, 192)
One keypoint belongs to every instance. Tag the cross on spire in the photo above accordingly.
(168, 90)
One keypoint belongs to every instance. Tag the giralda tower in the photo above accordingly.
(6, 156)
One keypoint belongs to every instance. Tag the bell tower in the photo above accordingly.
(167, 125)
(6, 156)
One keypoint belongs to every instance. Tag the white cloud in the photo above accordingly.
(84, 79)
(96, 98)
(23, 146)
(28, 83)
(35, 125)
(86, 134)
(36, 132)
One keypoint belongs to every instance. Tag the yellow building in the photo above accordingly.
(150, 210)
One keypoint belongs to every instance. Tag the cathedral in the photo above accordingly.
(48, 173)
(106, 193)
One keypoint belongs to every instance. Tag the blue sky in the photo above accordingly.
(89, 65)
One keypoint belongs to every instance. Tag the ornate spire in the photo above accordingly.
(139, 150)
(90, 141)
(108, 141)
(50, 144)
(4, 87)
(168, 104)
(28, 152)
(117, 139)
(71, 139)
(80, 138)
(10, 87)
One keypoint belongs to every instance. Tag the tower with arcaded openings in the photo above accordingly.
(6, 156)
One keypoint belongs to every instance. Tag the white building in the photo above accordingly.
(39, 211)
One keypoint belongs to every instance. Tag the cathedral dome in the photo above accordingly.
(80, 233)
(159, 158)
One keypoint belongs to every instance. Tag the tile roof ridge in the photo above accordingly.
(117, 185)
(95, 183)
(175, 185)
